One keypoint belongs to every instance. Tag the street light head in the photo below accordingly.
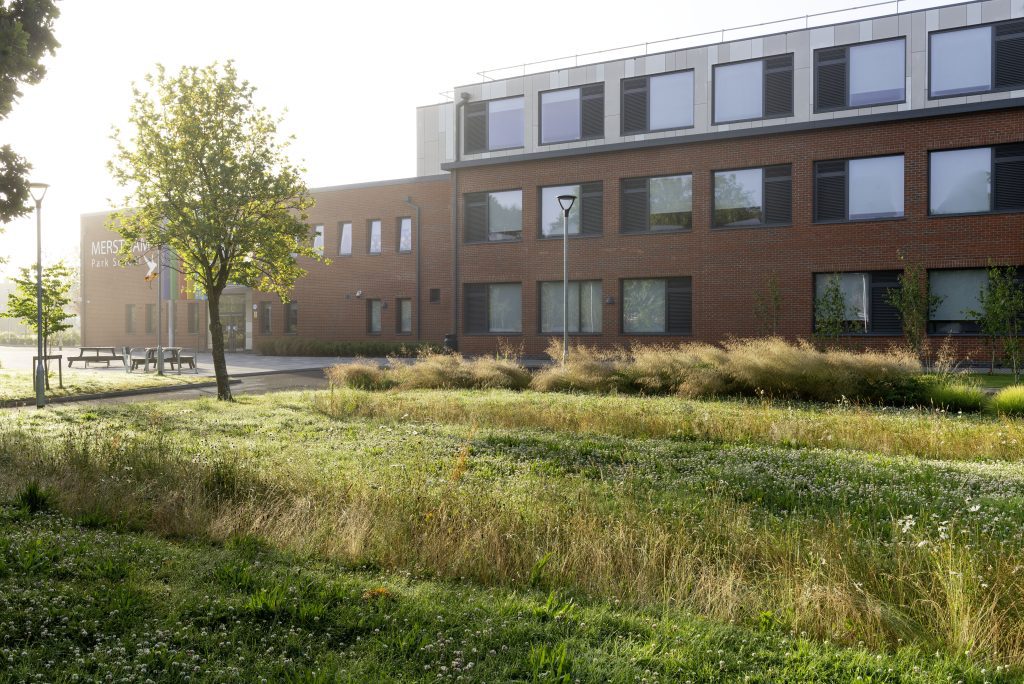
(38, 190)
(566, 202)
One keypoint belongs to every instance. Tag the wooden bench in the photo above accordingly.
(89, 355)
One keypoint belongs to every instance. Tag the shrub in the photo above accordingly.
(587, 370)
(1009, 401)
(953, 395)
(292, 346)
(364, 376)
(492, 373)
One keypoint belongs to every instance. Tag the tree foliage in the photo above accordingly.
(58, 282)
(830, 311)
(1001, 315)
(26, 36)
(207, 175)
(916, 306)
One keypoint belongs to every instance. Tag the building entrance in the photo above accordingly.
(232, 318)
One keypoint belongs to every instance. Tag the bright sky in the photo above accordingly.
(350, 75)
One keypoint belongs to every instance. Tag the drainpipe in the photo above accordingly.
(455, 214)
(419, 299)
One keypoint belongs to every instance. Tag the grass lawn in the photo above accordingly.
(18, 384)
(994, 380)
(728, 521)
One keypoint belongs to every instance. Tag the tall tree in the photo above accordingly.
(207, 175)
(58, 281)
(26, 35)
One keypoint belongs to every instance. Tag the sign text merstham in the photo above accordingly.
(104, 252)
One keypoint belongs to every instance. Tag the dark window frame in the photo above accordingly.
(289, 308)
(764, 89)
(584, 233)
(993, 167)
(487, 227)
(846, 58)
(540, 308)
(764, 195)
(668, 323)
(399, 302)
(487, 310)
(487, 126)
(993, 89)
(151, 318)
(649, 230)
(583, 136)
(846, 177)
(895, 273)
(266, 312)
(431, 298)
(341, 235)
(369, 315)
(129, 319)
(369, 237)
(647, 79)
(192, 318)
(976, 332)
(398, 235)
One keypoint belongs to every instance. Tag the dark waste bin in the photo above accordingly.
(451, 344)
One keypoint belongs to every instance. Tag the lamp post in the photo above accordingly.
(566, 202)
(38, 192)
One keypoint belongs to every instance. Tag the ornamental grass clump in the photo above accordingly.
(497, 373)
(587, 370)
(364, 376)
(433, 371)
(954, 396)
(690, 370)
(1009, 401)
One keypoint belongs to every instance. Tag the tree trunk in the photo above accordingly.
(220, 366)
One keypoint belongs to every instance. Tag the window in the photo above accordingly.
(193, 318)
(318, 239)
(657, 204)
(657, 103)
(586, 216)
(374, 242)
(755, 89)
(129, 318)
(858, 189)
(405, 235)
(494, 125)
(404, 320)
(980, 179)
(866, 296)
(860, 75)
(150, 318)
(291, 318)
(572, 114)
(374, 311)
(959, 291)
(435, 295)
(493, 308)
(657, 306)
(345, 242)
(753, 197)
(584, 306)
(265, 313)
(494, 216)
(977, 60)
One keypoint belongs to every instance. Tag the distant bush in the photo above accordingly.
(1009, 401)
(293, 346)
(953, 395)
(69, 338)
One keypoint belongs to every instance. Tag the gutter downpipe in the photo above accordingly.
(463, 99)
(419, 300)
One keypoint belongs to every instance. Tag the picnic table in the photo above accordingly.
(94, 355)
(175, 356)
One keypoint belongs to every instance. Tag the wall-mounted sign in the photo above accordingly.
(103, 253)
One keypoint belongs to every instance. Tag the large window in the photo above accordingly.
(374, 313)
(291, 318)
(374, 237)
(977, 60)
(657, 306)
(493, 308)
(345, 239)
(860, 75)
(657, 204)
(958, 292)
(404, 319)
(572, 114)
(129, 318)
(494, 216)
(974, 180)
(150, 318)
(265, 314)
(405, 234)
(193, 318)
(753, 197)
(318, 239)
(755, 89)
(494, 125)
(858, 189)
(866, 300)
(584, 306)
(657, 103)
(586, 216)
